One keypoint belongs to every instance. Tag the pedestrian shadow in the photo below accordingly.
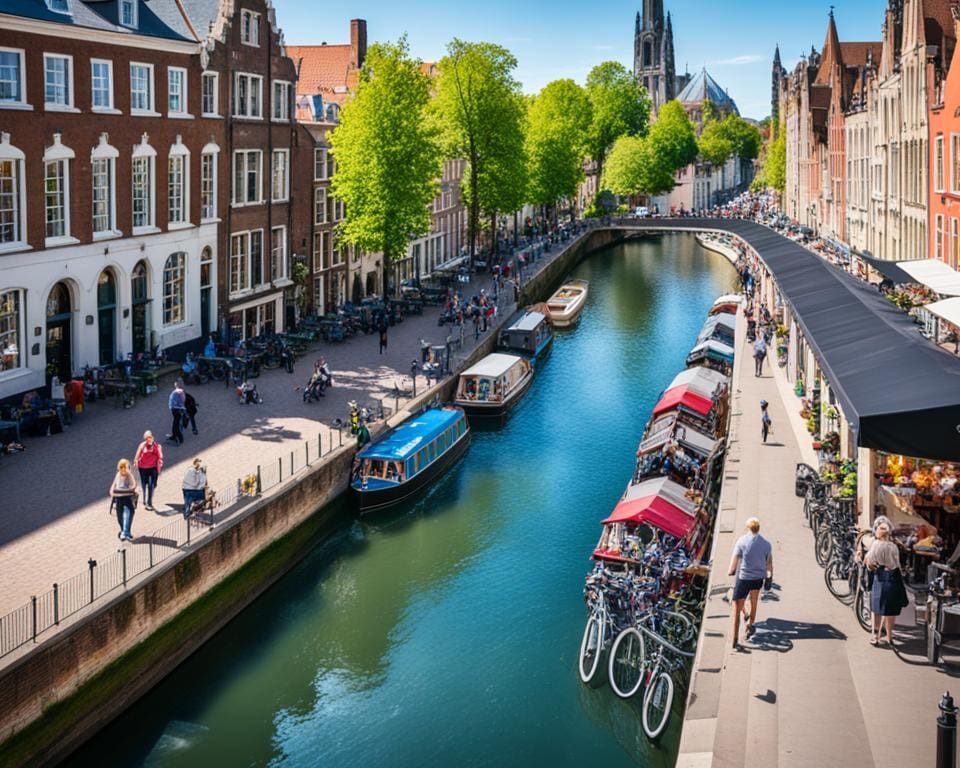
(780, 635)
(270, 434)
(157, 541)
(773, 444)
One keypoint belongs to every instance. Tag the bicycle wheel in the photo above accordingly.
(591, 648)
(678, 629)
(218, 371)
(837, 579)
(656, 705)
(627, 658)
(861, 607)
(823, 547)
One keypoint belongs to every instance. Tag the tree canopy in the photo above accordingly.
(775, 165)
(673, 136)
(388, 156)
(620, 107)
(479, 111)
(557, 122)
(728, 137)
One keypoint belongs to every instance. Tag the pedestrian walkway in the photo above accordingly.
(55, 516)
(808, 689)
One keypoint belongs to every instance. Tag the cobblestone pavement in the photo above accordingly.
(55, 512)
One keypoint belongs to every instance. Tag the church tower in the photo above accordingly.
(653, 62)
(778, 74)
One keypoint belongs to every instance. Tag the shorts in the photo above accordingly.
(743, 587)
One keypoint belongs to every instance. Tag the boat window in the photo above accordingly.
(432, 449)
(410, 469)
(374, 468)
(395, 471)
(470, 388)
(422, 458)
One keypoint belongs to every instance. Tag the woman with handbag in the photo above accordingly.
(123, 494)
(888, 596)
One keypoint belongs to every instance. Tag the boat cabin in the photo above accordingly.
(493, 381)
(529, 333)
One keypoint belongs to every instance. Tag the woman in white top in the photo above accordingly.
(888, 595)
(194, 486)
(123, 496)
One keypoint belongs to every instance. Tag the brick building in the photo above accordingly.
(108, 186)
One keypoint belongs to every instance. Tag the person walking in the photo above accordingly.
(888, 596)
(177, 405)
(752, 563)
(759, 354)
(476, 323)
(123, 498)
(190, 407)
(149, 461)
(194, 486)
(765, 421)
(382, 327)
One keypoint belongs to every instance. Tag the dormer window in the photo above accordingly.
(59, 6)
(128, 13)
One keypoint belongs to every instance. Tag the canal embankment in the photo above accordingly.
(807, 689)
(56, 694)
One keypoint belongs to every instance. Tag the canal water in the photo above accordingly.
(448, 634)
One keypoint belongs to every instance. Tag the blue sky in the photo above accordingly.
(561, 38)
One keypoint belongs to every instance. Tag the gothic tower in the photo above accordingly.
(653, 53)
(778, 74)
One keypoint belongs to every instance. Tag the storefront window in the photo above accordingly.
(173, 289)
(11, 322)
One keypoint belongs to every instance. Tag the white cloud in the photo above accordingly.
(747, 58)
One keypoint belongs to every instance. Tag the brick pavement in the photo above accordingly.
(55, 512)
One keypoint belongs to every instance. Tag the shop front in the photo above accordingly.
(255, 318)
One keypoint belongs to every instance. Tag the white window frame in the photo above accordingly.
(179, 155)
(320, 161)
(150, 110)
(103, 152)
(144, 152)
(211, 151)
(284, 195)
(319, 210)
(110, 108)
(21, 331)
(55, 106)
(248, 112)
(939, 237)
(339, 210)
(58, 153)
(283, 103)
(20, 103)
(165, 284)
(281, 253)
(10, 153)
(136, 13)
(336, 251)
(319, 254)
(250, 35)
(242, 259)
(938, 163)
(181, 113)
(204, 79)
(239, 197)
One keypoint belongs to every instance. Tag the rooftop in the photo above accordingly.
(702, 87)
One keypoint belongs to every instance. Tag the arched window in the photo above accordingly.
(173, 274)
(647, 53)
(12, 196)
(58, 302)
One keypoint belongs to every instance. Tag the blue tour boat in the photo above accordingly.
(528, 333)
(406, 459)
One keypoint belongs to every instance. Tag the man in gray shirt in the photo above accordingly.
(752, 562)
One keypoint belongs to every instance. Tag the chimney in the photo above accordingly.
(358, 42)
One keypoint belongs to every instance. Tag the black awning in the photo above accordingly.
(900, 393)
(887, 269)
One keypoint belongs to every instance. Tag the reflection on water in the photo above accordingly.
(447, 633)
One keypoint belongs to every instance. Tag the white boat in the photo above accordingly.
(565, 306)
(494, 385)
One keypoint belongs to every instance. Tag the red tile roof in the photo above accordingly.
(855, 54)
(324, 70)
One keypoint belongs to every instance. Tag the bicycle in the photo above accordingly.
(658, 698)
(628, 652)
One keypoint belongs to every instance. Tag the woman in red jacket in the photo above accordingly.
(149, 461)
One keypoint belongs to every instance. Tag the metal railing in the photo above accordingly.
(104, 576)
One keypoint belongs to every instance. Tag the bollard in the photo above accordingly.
(280, 465)
(33, 607)
(259, 483)
(187, 521)
(92, 564)
(947, 733)
(56, 604)
(291, 462)
(123, 566)
(306, 451)
(150, 549)
(340, 432)
(319, 445)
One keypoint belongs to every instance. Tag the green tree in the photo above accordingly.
(480, 114)
(775, 164)
(620, 107)
(714, 144)
(673, 137)
(388, 156)
(744, 137)
(557, 121)
(634, 166)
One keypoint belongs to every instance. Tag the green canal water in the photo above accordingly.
(447, 635)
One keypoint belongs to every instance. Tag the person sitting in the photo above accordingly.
(194, 486)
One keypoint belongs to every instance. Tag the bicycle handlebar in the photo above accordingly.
(666, 643)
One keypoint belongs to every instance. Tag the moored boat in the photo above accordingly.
(721, 327)
(405, 460)
(713, 354)
(494, 385)
(528, 333)
(728, 303)
(565, 306)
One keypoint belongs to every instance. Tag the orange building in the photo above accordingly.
(943, 223)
